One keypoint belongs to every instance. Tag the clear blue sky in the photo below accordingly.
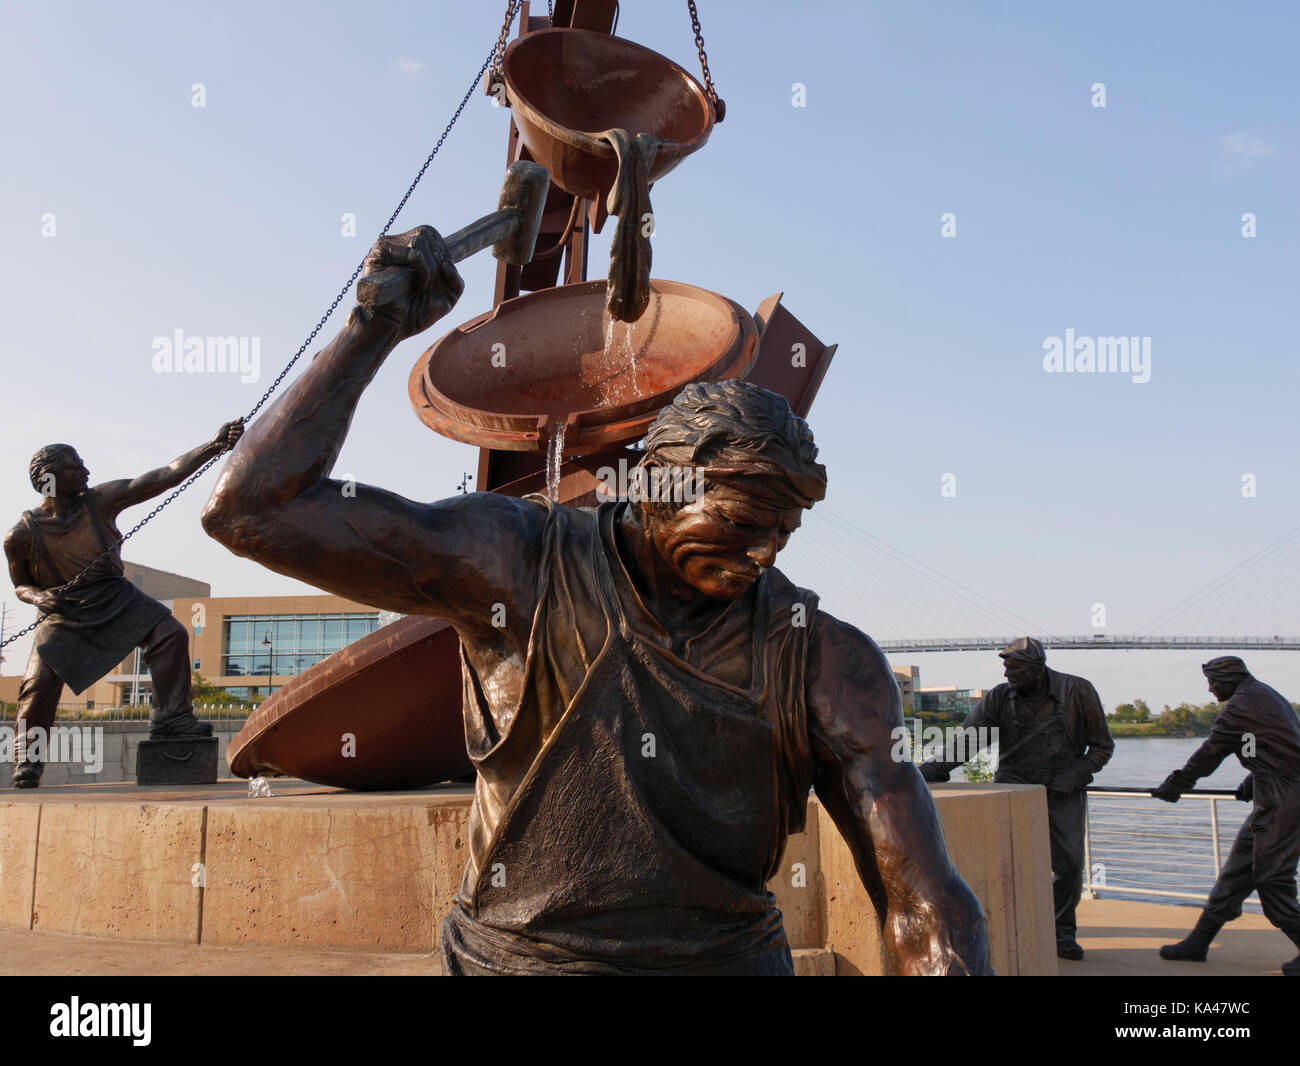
(1071, 489)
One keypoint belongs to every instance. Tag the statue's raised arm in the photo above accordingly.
(276, 503)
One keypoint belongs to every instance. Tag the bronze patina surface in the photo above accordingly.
(1259, 726)
(647, 700)
(1051, 730)
(65, 560)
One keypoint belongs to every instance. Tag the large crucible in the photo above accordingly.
(553, 366)
(565, 87)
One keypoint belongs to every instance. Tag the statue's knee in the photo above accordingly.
(170, 630)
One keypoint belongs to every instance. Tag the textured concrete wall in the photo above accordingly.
(123, 869)
(115, 744)
(997, 838)
(18, 832)
(358, 877)
(378, 871)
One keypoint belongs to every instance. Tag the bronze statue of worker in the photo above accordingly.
(647, 700)
(1051, 730)
(1259, 726)
(65, 559)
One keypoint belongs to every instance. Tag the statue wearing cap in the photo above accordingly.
(647, 700)
(1051, 730)
(1261, 728)
(65, 560)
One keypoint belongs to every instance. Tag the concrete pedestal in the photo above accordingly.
(313, 866)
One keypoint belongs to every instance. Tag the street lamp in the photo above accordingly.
(270, 666)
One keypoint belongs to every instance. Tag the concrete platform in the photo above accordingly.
(1121, 939)
(63, 955)
(321, 869)
(60, 955)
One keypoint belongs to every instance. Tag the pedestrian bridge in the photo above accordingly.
(1095, 642)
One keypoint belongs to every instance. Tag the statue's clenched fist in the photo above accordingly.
(228, 435)
(433, 284)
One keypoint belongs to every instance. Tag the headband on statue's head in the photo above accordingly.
(736, 433)
(770, 484)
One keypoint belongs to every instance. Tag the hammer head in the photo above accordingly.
(524, 191)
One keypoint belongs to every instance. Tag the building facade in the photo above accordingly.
(249, 644)
(245, 645)
(949, 700)
(909, 681)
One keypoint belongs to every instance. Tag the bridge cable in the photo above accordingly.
(511, 10)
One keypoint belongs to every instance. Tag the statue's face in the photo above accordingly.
(71, 477)
(1223, 689)
(1022, 675)
(721, 542)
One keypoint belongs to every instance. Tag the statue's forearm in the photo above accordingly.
(294, 445)
(934, 924)
(179, 469)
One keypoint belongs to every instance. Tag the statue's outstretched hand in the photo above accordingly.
(434, 284)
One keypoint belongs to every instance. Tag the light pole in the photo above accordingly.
(270, 666)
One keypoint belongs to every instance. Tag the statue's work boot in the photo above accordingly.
(1069, 949)
(27, 775)
(1196, 945)
(181, 726)
(1292, 968)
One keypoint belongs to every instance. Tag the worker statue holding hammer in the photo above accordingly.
(647, 700)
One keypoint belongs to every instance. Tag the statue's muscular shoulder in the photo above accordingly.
(18, 541)
(850, 684)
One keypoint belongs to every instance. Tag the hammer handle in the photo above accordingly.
(384, 286)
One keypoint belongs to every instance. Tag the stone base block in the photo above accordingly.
(182, 761)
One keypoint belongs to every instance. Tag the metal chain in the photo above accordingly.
(499, 51)
(719, 105)
(510, 14)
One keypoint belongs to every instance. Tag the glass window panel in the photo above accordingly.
(259, 664)
(283, 664)
(309, 634)
(357, 628)
(332, 638)
(286, 632)
(237, 637)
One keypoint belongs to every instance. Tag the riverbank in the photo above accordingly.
(1155, 729)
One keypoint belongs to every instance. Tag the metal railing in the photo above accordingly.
(139, 712)
(1092, 640)
(1137, 845)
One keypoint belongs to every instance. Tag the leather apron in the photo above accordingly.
(100, 619)
(641, 839)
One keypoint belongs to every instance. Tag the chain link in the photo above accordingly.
(511, 9)
(498, 53)
(719, 104)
